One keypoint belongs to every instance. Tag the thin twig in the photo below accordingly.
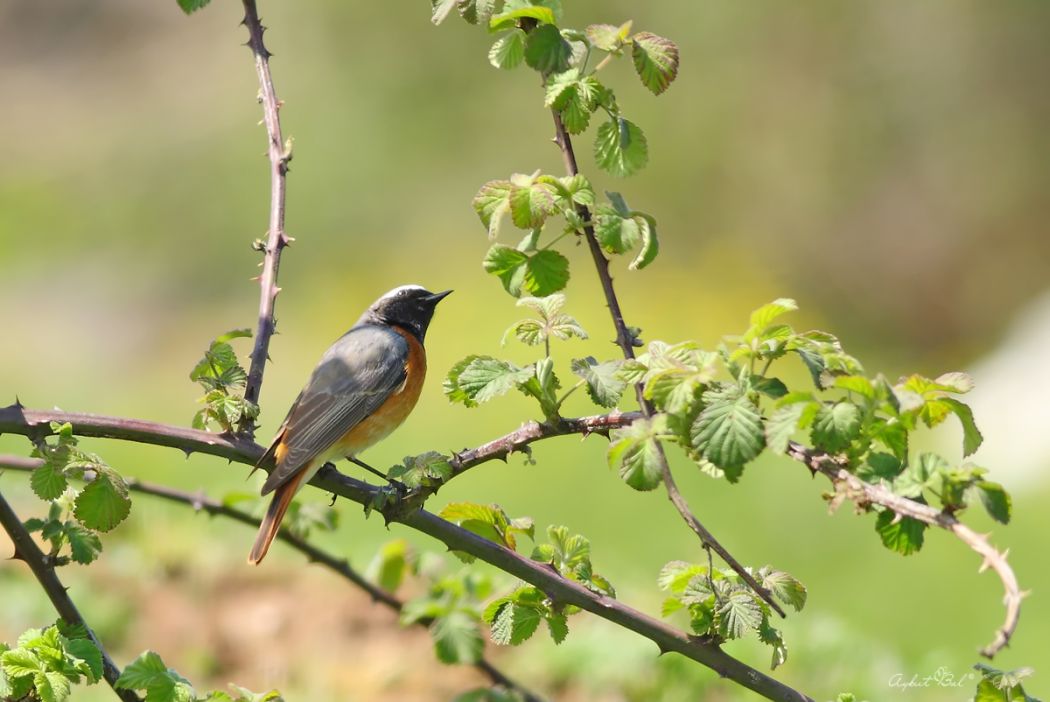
(864, 494)
(626, 341)
(37, 423)
(340, 566)
(27, 550)
(276, 238)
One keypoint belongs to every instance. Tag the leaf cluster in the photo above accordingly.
(722, 607)
(996, 685)
(44, 664)
(223, 379)
(149, 674)
(75, 515)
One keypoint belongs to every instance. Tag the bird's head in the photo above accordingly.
(407, 306)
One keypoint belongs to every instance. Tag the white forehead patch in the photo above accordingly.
(401, 288)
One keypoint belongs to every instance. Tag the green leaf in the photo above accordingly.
(738, 614)
(782, 425)
(546, 49)
(190, 6)
(655, 60)
(103, 503)
(457, 638)
(484, 378)
(635, 452)
(785, 588)
(995, 500)
(674, 576)
(86, 651)
(509, 50)
(836, 426)
(554, 322)
(608, 37)
(546, 272)
(48, 480)
(530, 202)
(765, 315)
(477, 11)
(558, 626)
(440, 9)
(83, 543)
(620, 147)
(728, 432)
(972, 438)
(505, 20)
(619, 230)
(51, 686)
(508, 265)
(162, 684)
(19, 662)
(491, 203)
(905, 536)
(515, 624)
(603, 384)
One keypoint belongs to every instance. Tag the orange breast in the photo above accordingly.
(398, 406)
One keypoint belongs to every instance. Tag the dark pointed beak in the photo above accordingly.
(438, 297)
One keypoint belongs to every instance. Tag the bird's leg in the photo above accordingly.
(401, 487)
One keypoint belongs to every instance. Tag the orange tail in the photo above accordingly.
(271, 523)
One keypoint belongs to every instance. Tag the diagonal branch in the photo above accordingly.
(340, 566)
(626, 341)
(276, 239)
(27, 550)
(18, 420)
(865, 494)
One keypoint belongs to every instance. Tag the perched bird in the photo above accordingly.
(367, 382)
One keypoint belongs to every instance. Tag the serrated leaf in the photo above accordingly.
(509, 265)
(765, 315)
(531, 203)
(485, 378)
(782, 425)
(103, 503)
(620, 147)
(477, 11)
(19, 662)
(457, 638)
(905, 536)
(509, 50)
(505, 20)
(738, 614)
(607, 37)
(835, 426)
(546, 272)
(674, 576)
(84, 544)
(635, 452)
(728, 432)
(603, 384)
(48, 480)
(557, 626)
(546, 49)
(972, 438)
(491, 202)
(88, 652)
(785, 588)
(655, 60)
(995, 500)
(191, 6)
(515, 624)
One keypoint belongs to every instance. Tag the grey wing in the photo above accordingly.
(355, 376)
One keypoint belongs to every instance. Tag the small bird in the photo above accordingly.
(364, 387)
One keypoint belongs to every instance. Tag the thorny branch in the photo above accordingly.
(18, 420)
(865, 494)
(276, 239)
(340, 566)
(626, 341)
(27, 550)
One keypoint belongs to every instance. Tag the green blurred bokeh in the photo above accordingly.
(886, 163)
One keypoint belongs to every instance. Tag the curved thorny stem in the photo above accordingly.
(626, 341)
(280, 154)
(34, 423)
(200, 502)
(864, 494)
(27, 550)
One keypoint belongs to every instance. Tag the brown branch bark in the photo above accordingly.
(27, 550)
(276, 239)
(864, 494)
(36, 423)
(340, 566)
(626, 341)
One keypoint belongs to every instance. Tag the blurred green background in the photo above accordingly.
(887, 163)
